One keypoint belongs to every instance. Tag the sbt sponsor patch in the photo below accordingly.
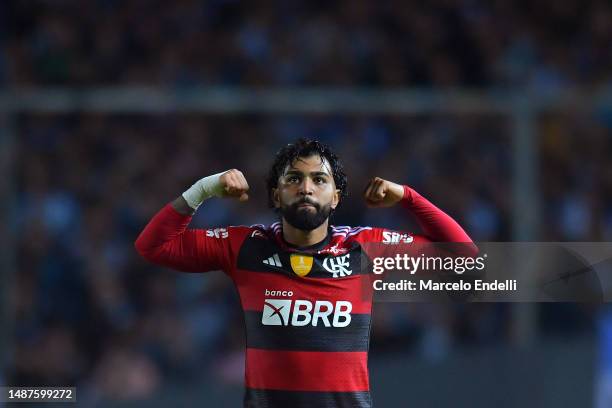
(392, 238)
(287, 312)
(217, 233)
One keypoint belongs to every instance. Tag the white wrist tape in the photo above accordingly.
(204, 189)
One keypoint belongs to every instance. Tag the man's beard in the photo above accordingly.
(304, 218)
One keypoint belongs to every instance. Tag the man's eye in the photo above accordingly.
(292, 179)
(319, 180)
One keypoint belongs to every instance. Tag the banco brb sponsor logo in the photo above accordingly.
(286, 312)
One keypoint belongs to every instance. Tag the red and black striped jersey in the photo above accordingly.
(307, 311)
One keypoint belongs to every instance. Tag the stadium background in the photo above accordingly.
(499, 113)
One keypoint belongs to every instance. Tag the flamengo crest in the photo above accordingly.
(338, 266)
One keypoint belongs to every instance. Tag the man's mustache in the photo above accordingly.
(305, 201)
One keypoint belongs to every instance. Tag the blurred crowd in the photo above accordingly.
(89, 183)
(576, 176)
(88, 311)
(441, 43)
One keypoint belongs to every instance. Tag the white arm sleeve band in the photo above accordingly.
(203, 189)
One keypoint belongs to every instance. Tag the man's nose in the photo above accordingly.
(306, 186)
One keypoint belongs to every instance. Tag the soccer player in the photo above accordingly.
(300, 279)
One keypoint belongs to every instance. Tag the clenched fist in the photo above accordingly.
(230, 183)
(383, 193)
(234, 184)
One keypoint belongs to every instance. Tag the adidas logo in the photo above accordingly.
(274, 260)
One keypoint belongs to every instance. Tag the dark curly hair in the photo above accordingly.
(305, 148)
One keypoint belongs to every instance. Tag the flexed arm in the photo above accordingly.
(167, 241)
(437, 226)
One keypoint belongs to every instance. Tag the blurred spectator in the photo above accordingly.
(542, 45)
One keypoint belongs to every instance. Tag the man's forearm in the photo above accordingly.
(181, 206)
(436, 224)
(230, 183)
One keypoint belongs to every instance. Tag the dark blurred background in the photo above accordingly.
(499, 112)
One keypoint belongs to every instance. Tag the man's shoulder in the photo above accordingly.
(344, 231)
(255, 230)
(346, 235)
(371, 235)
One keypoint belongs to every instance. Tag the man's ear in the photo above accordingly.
(275, 198)
(335, 199)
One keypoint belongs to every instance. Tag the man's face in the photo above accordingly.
(306, 193)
